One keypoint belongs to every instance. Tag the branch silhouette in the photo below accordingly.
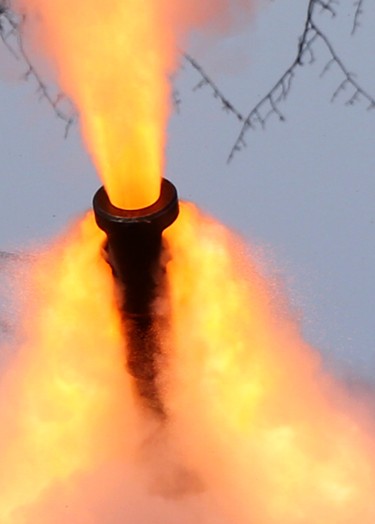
(269, 104)
(259, 114)
(207, 81)
(11, 35)
(357, 15)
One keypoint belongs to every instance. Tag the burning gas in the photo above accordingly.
(251, 407)
(114, 60)
(256, 431)
(59, 394)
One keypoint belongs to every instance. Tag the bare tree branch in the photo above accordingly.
(207, 81)
(349, 78)
(269, 105)
(327, 6)
(279, 92)
(357, 15)
(11, 30)
(8, 25)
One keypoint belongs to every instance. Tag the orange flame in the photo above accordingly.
(111, 62)
(114, 60)
(251, 413)
(252, 409)
(269, 436)
(66, 386)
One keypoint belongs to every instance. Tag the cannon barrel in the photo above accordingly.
(133, 249)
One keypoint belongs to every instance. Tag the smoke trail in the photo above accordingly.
(114, 60)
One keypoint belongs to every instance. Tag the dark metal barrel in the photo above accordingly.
(134, 246)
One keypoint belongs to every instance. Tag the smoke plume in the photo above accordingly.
(256, 431)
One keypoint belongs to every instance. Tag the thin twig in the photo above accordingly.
(357, 15)
(11, 26)
(207, 81)
(348, 77)
(327, 6)
(311, 33)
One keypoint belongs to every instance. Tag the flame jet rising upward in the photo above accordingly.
(111, 65)
(114, 62)
(114, 59)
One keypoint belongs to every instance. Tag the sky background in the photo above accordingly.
(301, 194)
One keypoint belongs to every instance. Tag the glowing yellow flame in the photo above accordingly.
(114, 60)
(111, 62)
(250, 411)
(67, 386)
(249, 399)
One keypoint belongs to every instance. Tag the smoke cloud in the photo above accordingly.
(256, 431)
